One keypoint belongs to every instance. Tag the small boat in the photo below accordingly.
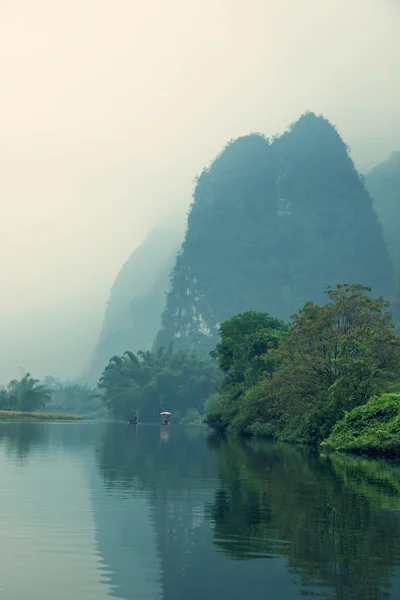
(166, 418)
(133, 421)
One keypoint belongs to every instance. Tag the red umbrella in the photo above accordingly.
(165, 413)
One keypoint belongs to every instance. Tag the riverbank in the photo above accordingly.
(373, 428)
(14, 415)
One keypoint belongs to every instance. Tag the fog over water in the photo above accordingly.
(109, 110)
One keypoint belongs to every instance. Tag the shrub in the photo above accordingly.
(373, 428)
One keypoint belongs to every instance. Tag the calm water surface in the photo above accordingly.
(100, 511)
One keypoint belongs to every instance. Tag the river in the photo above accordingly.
(100, 511)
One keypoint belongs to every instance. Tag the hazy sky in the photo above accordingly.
(110, 108)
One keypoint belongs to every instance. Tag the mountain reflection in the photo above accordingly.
(222, 518)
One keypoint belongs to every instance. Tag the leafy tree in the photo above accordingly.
(334, 358)
(244, 356)
(293, 383)
(26, 394)
(150, 382)
(245, 340)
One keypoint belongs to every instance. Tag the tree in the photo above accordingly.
(334, 358)
(244, 356)
(150, 382)
(68, 397)
(245, 340)
(26, 394)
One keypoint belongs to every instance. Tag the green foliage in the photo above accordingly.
(245, 341)
(244, 356)
(14, 415)
(271, 224)
(150, 382)
(75, 398)
(192, 417)
(373, 428)
(333, 358)
(25, 394)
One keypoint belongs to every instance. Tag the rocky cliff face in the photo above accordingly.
(383, 183)
(271, 225)
(137, 298)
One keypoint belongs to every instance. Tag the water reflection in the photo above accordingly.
(231, 518)
(154, 498)
(46, 514)
(19, 439)
(165, 433)
(323, 513)
(197, 517)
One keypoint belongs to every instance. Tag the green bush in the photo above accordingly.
(373, 428)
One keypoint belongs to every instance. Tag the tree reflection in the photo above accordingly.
(138, 458)
(333, 522)
(323, 514)
(20, 439)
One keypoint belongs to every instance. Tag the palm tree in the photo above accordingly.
(26, 394)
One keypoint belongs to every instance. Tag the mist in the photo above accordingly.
(109, 111)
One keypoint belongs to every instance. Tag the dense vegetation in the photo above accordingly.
(137, 298)
(373, 427)
(148, 383)
(23, 398)
(300, 381)
(244, 354)
(17, 415)
(69, 397)
(270, 226)
(26, 394)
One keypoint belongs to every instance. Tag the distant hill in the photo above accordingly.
(137, 298)
(271, 225)
(383, 183)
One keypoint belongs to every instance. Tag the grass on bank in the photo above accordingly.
(14, 415)
(373, 428)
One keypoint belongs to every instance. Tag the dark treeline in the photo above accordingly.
(332, 358)
(28, 394)
(25, 394)
(72, 397)
(147, 383)
(287, 381)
